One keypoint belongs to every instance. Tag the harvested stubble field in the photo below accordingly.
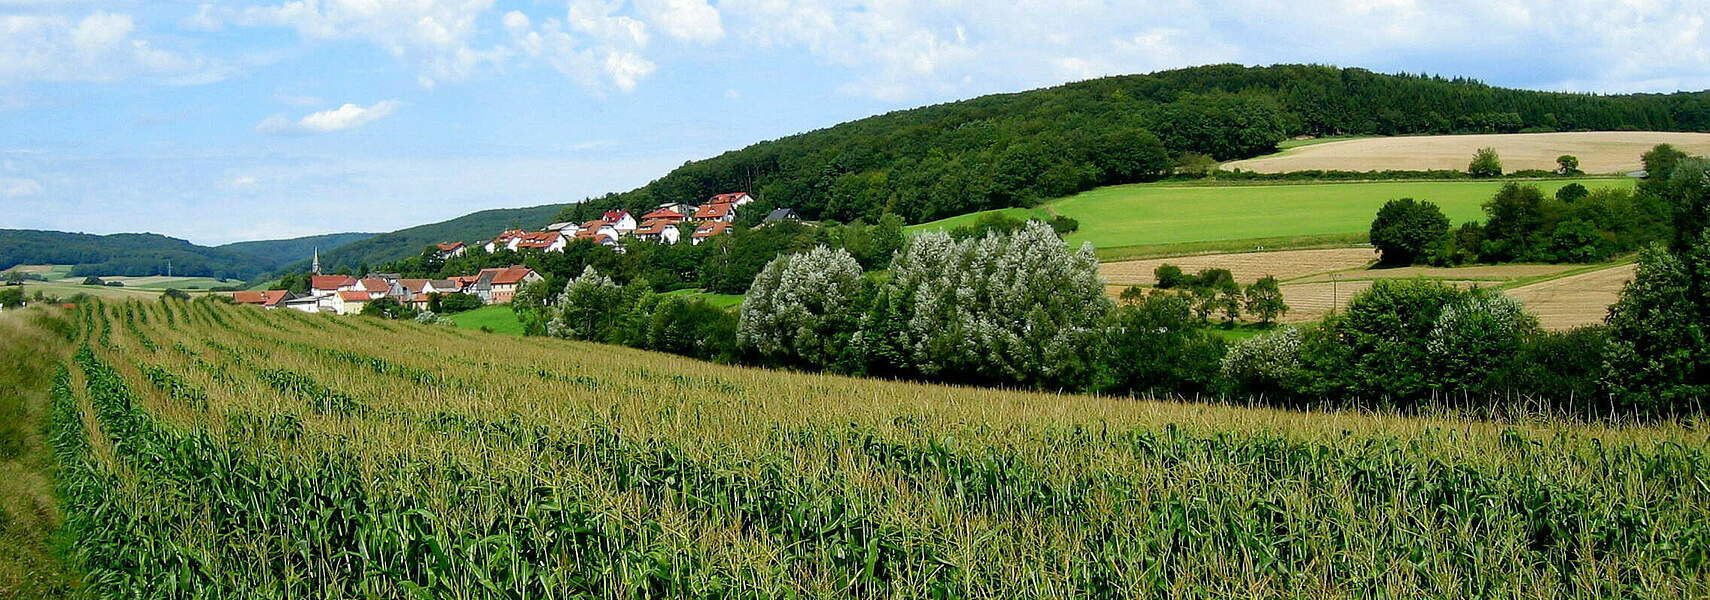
(1575, 300)
(216, 451)
(1601, 152)
(1245, 266)
(1314, 281)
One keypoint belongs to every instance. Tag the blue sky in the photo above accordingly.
(228, 121)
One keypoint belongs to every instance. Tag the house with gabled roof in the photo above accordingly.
(545, 241)
(268, 299)
(732, 198)
(708, 230)
(780, 214)
(352, 302)
(326, 285)
(619, 220)
(506, 241)
(499, 285)
(666, 215)
(567, 228)
(724, 212)
(450, 250)
(658, 230)
(681, 208)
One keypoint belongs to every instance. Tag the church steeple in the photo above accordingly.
(316, 267)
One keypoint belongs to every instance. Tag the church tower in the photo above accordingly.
(316, 267)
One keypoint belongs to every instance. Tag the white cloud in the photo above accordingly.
(204, 19)
(18, 187)
(689, 20)
(349, 116)
(100, 47)
(435, 35)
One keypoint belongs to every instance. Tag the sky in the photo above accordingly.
(227, 121)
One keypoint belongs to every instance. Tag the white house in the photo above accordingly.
(619, 220)
(568, 229)
(658, 230)
(507, 240)
(708, 230)
(451, 250)
(733, 199)
(720, 212)
(308, 303)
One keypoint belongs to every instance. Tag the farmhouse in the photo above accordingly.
(269, 299)
(499, 285)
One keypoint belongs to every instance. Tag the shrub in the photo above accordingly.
(1169, 276)
(1658, 360)
(1265, 365)
(1476, 335)
(1157, 347)
(1485, 163)
(1572, 193)
(174, 294)
(93, 280)
(1405, 228)
(457, 302)
(1063, 225)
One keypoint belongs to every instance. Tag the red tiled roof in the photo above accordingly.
(375, 284)
(511, 275)
(712, 211)
(349, 296)
(595, 224)
(711, 229)
(663, 213)
(449, 247)
(604, 239)
(330, 282)
(614, 215)
(653, 227)
(249, 298)
(540, 239)
(727, 198)
(508, 235)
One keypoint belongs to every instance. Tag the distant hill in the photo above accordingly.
(129, 254)
(1019, 149)
(273, 254)
(409, 242)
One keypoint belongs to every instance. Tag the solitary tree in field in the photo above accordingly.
(1568, 164)
(14, 277)
(1265, 300)
(1405, 228)
(174, 294)
(1485, 163)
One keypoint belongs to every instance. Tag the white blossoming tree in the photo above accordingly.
(587, 307)
(1004, 308)
(803, 309)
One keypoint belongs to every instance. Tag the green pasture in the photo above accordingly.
(498, 318)
(725, 301)
(1166, 218)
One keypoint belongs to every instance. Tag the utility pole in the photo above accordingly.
(168, 267)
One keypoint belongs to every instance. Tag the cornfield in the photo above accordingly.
(210, 451)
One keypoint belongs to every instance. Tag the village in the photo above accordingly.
(349, 294)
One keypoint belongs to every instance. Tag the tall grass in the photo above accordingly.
(215, 451)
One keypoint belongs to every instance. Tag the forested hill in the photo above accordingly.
(404, 243)
(131, 254)
(272, 254)
(1016, 149)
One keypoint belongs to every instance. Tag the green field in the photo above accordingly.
(497, 318)
(1163, 215)
(244, 453)
(725, 301)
